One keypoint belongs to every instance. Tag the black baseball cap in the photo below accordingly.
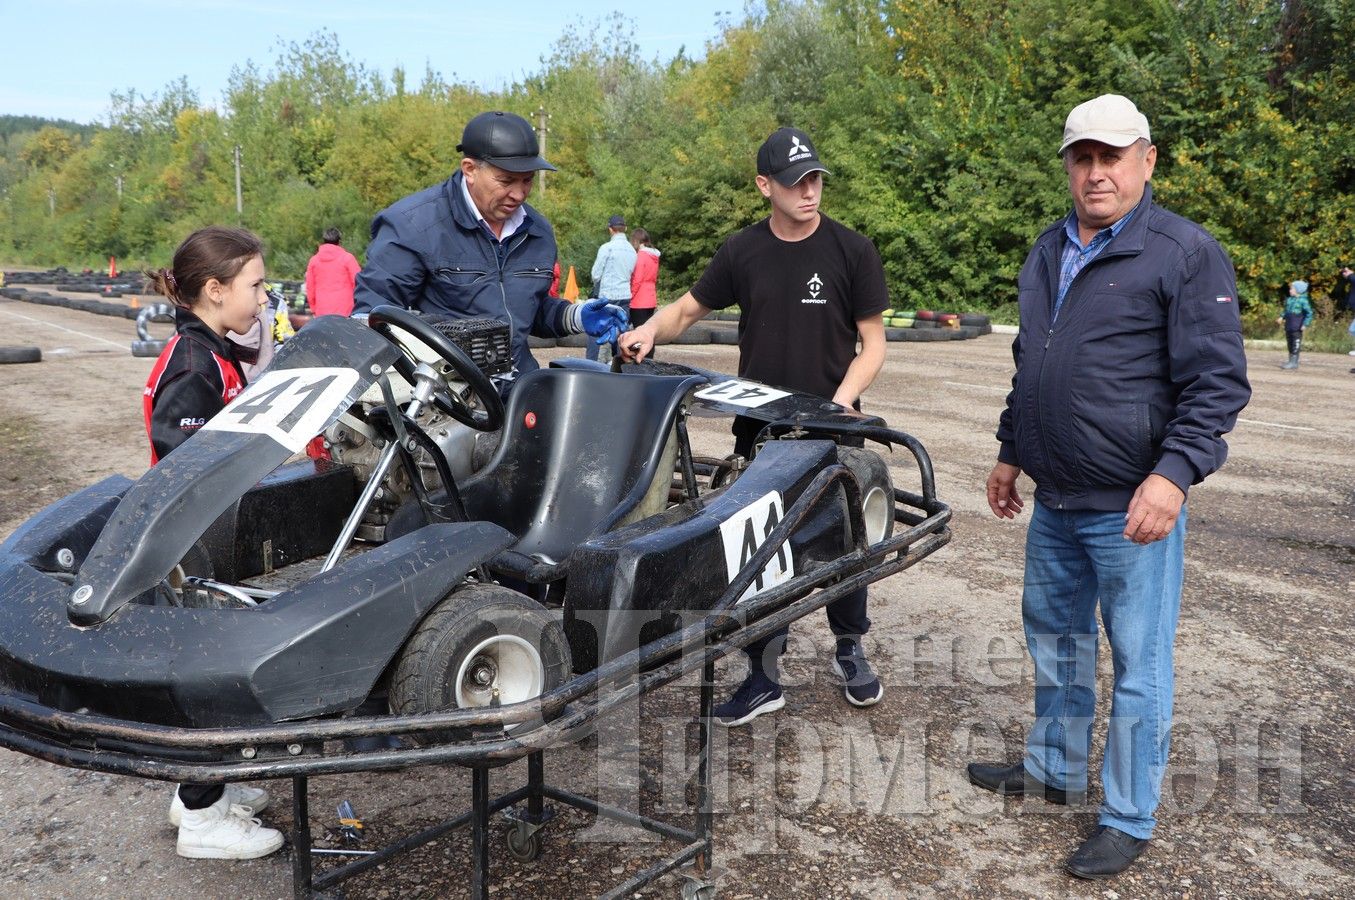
(504, 140)
(788, 156)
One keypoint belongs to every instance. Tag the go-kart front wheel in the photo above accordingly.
(484, 645)
(877, 491)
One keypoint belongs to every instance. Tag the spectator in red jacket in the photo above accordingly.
(330, 276)
(644, 279)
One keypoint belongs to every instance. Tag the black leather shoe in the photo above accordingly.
(1107, 853)
(1013, 781)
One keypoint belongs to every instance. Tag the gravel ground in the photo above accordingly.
(823, 800)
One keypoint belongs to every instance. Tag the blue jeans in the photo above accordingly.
(1073, 559)
(591, 351)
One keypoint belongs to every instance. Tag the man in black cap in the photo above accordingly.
(808, 288)
(472, 247)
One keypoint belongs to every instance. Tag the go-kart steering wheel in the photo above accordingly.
(490, 418)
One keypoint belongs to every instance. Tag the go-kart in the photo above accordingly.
(479, 571)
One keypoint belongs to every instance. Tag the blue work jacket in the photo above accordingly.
(1143, 372)
(429, 253)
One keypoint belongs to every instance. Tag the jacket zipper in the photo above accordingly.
(1039, 382)
(503, 289)
(1049, 337)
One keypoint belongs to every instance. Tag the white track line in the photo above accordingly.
(988, 387)
(981, 387)
(1277, 425)
(92, 337)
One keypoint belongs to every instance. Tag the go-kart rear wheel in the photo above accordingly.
(483, 644)
(877, 490)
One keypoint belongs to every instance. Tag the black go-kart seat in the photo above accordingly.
(579, 451)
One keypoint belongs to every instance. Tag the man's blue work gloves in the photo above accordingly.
(602, 320)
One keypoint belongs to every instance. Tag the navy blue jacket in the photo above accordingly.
(429, 253)
(1142, 373)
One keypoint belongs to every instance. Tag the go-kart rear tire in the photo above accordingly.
(479, 630)
(877, 490)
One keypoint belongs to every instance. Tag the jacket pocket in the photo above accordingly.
(535, 272)
(461, 276)
(1112, 441)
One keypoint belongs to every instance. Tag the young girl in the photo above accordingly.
(216, 285)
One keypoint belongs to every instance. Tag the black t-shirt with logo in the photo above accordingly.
(799, 301)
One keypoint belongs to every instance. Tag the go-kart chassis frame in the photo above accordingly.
(296, 750)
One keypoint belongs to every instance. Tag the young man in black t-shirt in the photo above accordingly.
(807, 288)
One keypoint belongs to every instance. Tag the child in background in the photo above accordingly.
(1297, 315)
(216, 285)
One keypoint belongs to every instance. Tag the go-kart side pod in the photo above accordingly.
(314, 377)
(313, 650)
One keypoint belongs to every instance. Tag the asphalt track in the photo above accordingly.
(823, 800)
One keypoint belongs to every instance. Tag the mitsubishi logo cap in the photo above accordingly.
(504, 140)
(788, 156)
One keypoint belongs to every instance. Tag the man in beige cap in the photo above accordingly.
(1129, 371)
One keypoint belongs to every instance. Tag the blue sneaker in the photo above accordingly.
(860, 686)
(757, 695)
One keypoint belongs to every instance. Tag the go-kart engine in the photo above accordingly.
(354, 441)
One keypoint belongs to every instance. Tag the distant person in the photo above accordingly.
(1347, 298)
(612, 270)
(472, 247)
(216, 283)
(1297, 315)
(644, 281)
(330, 277)
(1129, 372)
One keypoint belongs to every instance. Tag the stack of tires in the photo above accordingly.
(929, 325)
(44, 298)
(87, 282)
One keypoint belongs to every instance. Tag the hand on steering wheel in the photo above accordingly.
(490, 416)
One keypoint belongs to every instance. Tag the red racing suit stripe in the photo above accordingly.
(196, 375)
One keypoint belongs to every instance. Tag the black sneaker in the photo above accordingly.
(757, 695)
(860, 685)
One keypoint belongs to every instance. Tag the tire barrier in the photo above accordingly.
(9, 355)
(900, 325)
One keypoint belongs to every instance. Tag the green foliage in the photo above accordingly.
(939, 119)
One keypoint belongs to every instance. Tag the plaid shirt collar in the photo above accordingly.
(1076, 255)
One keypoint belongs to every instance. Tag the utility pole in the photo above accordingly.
(239, 197)
(541, 130)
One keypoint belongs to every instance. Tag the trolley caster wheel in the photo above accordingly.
(522, 846)
(695, 890)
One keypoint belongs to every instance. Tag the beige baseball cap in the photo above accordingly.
(1110, 119)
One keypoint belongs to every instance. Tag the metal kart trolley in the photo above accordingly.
(221, 724)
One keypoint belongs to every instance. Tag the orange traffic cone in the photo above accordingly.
(112, 267)
(134, 303)
(571, 287)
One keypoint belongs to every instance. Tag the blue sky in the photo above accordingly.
(61, 58)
